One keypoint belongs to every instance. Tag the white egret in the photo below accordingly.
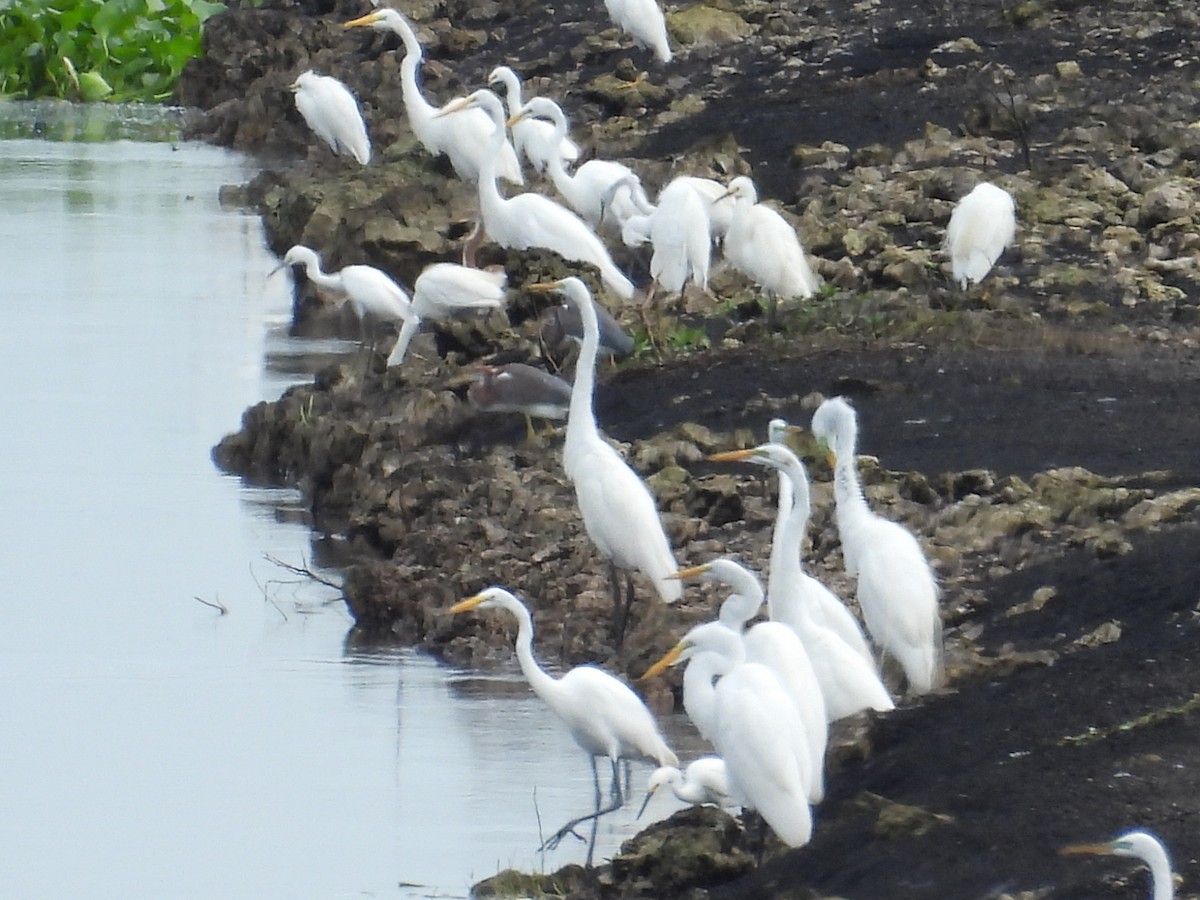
(678, 229)
(704, 781)
(332, 113)
(618, 509)
(446, 289)
(643, 21)
(589, 189)
(369, 290)
(532, 138)
(849, 684)
(464, 139)
(605, 717)
(753, 728)
(982, 224)
(823, 604)
(1140, 845)
(531, 220)
(763, 246)
(517, 387)
(897, 592)
(777, 647)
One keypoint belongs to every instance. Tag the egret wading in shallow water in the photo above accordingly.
(982, 224)
(447, 289)
(643, 21)
(519, 388)
(1140, 845)
(704, 781)
(763, 246)
(332, 113)
(464, 139)
(777, 647)
(752, 726)
(618, 509)
(605, 717)
(532, 138)
(848, 682)
(531, 220)
(897, 592)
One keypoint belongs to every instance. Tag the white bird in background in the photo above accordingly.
(777, 647)
(848, 683)
(982, 224)
(753, 728)
(605, 717)
(763, 246)
(618, 509)
(448, 289)
(704, 781)
(533, 138)
(332, 113)
(589, 190)
(897, 592)
(720, 204)
(531, 220)
(369, 290)
(643, 21)
(1140, 845)
(679, 231)
(465, 139)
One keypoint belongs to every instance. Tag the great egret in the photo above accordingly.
(679, 231)
(824, 605)
(465, 139)
(531, 220)
(982, 224)
(704, 781)
(753, 728)
(369, 290)
(517, 387)
(777, 647)
(562, 325)
(643, 21)
(617, 508)
(446, 289)
(897, 592)
(605, 717)
(534, 139)
(763, 246)
(332, 113)
(1140, 845)
(849, 683)
(589, 188)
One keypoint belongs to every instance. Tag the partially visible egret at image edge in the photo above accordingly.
(1140, 845)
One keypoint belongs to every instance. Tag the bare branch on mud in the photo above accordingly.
(302, 570)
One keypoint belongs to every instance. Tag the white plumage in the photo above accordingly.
(532, 138)
(446, 289)
(643, 21)
(331, 111)
(982, 224)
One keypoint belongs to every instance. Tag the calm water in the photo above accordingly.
(151, 746)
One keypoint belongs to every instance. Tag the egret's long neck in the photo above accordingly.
(491, 200)
(778, 535)
(542, 682)
(699, 696)
(785, 563)
(739, 608)
(1160, 876)
(419, 109)
(581, 419)
(846, 486)
(512, 87)
(312, 268)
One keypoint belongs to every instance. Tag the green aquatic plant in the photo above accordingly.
(98, 49)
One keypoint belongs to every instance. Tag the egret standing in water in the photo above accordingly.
(618, 509)
(332, 113)
(605, 717)
(531, 220)
(897, 592)
(464, 139)
(982, 224)
(1140, 845)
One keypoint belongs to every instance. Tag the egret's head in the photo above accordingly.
(1139, 844)
(672, 657)
(711, 637)
(832, 423)
(571, 287)
(492, 598)
(741, 188)
(777, 456)
(480, 99)
(663, 775)
(500, 76)
(380, 19)
(302, 80)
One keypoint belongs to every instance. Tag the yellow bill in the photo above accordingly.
(466, 605)
(669, 659)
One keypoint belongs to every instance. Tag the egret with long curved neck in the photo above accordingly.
(897, 592)
(1140, 845)
(531, 220)
(617, 508)
(534, 139)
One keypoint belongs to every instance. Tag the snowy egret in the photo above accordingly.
(678, 229)
(464, 139)
(618, 509)
(332, 113)
(848, 683)
(532, 138)
(604, 715)
(753, 727)
(704, 781)
(369, 290)
(763, 246)
(643, 21)
(897, 592)
(520, 388)
(1140, 845)
(982, 224)
(531, 220)
(447, 289)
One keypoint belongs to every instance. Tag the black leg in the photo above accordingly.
(615, 804)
